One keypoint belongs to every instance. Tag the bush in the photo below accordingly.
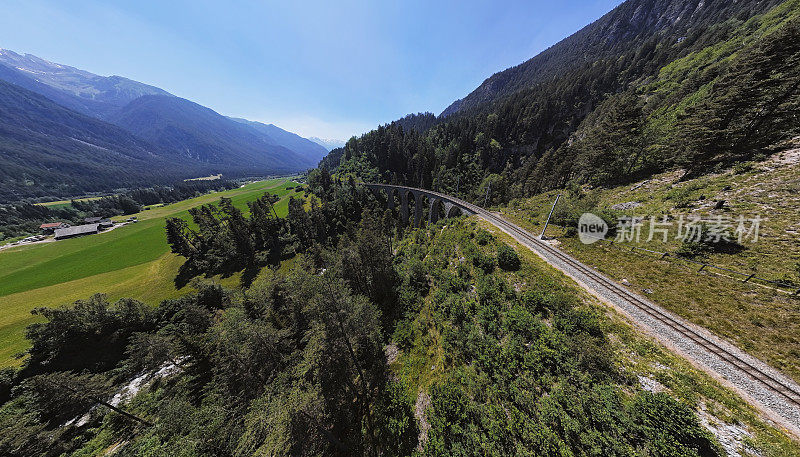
(668, 427)
(743, 167)
(6, 382)
(483, 237)
(690, 249)
(682, 196)
(483, 262)
(507, 258)
(404, 333)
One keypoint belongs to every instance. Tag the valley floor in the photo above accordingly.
(132, 261)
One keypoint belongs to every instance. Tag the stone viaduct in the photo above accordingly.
(450, 206)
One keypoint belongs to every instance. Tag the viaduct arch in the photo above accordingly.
(448, 205)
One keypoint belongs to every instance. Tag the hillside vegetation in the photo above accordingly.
(380, 340)
(754, 315)
(687, 97)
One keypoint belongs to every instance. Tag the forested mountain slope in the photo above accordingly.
(200, 133)
(304, 147)
(48, 150)
(712, 84)
(370, 339)
(656, 30)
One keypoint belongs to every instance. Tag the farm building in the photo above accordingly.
(79, 230)
(103, 221)
(49, 228)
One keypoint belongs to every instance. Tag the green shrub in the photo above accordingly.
(507, 258)
(483, 262)
(683, 195)
(669, 427)
(404, 333)
(535, 301)
(690, 249)
(743, 167)
(483, 237)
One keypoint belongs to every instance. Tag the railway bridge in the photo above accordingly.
(439, 205)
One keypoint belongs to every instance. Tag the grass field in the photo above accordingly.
(64, 203)
(130, 261)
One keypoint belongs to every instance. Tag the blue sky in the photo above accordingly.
(331, 69)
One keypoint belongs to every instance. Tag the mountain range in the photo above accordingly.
(328, 143)
(49, 150)
(308, 148)
(55, 115)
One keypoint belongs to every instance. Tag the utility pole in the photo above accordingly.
(541, 237)
(486, 199)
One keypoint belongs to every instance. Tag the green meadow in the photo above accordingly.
(130, 261)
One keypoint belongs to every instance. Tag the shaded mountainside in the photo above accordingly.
(304, 147)
(652, 86)
(79, 90)
(48, 150)
(199, 133)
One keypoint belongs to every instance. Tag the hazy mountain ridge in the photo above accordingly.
(86, 92)
(328, 143)
(302, 146)
(202, 134)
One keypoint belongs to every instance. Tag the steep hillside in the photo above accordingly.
(201, 134)
(48, 150)
(660, 29)
(372, 340)
(760, 317)
(80, 90)
(306, 148)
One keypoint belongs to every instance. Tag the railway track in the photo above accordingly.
(771, 385)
